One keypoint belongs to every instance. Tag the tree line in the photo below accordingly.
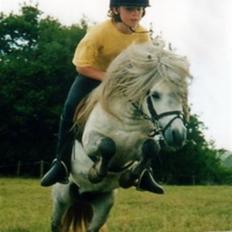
(35, 75)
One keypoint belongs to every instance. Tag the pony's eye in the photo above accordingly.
(156, 95)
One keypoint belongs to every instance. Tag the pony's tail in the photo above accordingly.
(77, 218)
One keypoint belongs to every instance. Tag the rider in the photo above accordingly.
(93, 55)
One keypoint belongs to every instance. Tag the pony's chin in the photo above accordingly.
(165, 147)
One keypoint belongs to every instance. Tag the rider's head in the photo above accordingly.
(120, 9)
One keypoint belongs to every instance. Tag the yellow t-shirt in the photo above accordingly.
(103, 43)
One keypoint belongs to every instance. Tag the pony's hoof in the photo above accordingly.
(148, 183)
(94, 176)
(127, 179)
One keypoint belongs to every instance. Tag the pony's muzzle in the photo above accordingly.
(176, 136)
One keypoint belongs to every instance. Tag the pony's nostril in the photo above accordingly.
(178, 138)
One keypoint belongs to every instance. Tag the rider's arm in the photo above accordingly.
(91, 72)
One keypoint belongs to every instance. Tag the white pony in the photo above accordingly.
(137, 109)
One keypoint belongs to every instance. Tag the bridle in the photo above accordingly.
(155, 117)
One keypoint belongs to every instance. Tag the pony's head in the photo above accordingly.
(155, 81)
(164, 108)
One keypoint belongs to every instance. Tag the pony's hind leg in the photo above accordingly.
(101, 204)
(106, 151)
(61, 202)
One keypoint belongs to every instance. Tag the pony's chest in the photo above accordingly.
(127, 135)
(127, 140)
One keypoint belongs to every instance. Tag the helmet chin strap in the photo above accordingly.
(134, 31)
(130, 28)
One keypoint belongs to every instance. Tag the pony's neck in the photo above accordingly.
(124, 111)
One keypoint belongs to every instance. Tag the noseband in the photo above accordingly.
(155, 117)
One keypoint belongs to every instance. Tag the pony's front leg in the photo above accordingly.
(146, 181)
(141, 175)
(104, 152)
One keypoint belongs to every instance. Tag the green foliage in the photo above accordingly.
(196, 163)
(35, 75)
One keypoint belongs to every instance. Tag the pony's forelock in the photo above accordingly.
(141, 66)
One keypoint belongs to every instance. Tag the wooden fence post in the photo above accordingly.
(41, 168)
(18, 168)
(193, 180)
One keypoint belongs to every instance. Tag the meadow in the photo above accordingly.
(26, 207)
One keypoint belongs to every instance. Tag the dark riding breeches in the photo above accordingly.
(80, 88)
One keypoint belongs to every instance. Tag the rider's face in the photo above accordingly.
(131, 16)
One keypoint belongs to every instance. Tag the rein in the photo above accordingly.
(158, 130)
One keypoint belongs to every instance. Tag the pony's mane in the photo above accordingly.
(132, 73)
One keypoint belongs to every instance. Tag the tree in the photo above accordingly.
(35, 75)
(196, 163)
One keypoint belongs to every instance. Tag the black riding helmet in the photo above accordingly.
(127, 3)
(141, 3)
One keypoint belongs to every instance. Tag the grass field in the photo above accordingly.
(26, 207)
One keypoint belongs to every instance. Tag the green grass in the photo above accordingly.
(26, 207)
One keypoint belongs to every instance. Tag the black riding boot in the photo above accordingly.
(60, 167)
(57, 173)
(147, 182)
